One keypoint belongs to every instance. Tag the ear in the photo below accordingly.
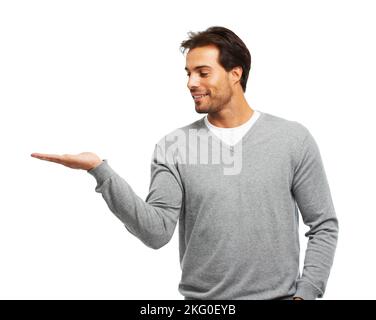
(236, 74)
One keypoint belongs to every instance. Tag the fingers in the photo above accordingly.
(49, 157)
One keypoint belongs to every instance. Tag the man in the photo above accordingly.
(238, 227)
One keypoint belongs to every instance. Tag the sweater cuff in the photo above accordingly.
(102, 172)
(307, 291)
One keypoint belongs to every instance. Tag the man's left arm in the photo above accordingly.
(311, 191)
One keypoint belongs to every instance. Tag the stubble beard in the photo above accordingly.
(215, 107)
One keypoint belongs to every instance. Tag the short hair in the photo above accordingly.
(232, 50)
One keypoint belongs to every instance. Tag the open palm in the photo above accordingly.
(84, 160)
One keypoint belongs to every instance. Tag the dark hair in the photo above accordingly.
(232, 50)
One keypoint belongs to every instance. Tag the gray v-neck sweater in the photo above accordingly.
(237, 208)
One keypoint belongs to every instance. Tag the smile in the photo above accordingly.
(199, 97)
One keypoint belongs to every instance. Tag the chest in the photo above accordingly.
(263, 168)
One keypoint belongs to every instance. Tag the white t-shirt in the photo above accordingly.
(231, 136)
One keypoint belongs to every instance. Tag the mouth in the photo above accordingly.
(199, 97)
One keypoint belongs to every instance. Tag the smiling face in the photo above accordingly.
(208, 82)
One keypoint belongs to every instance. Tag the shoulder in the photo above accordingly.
(172, 145)
(181, 134)
(290, 129)
(292, 136)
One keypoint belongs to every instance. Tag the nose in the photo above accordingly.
(193, 82)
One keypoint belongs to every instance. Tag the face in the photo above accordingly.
(208, 81)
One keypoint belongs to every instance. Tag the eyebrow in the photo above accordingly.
(198, 67)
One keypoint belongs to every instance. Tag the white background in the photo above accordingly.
(108, 77)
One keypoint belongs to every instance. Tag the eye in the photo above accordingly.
(202, 74)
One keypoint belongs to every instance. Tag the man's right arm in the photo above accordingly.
(153, 221)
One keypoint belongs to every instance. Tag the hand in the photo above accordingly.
(84, 160)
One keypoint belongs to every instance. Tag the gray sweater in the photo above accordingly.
(237, 208)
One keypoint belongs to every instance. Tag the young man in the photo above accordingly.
(238, 224)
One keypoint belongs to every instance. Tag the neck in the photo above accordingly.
(233, 115)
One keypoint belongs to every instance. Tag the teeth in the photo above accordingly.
(200, 96)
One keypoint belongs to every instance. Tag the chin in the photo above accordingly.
(198, 110)
(202, 109)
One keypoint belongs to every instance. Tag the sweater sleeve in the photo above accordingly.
(311, 191)
(152, 221)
